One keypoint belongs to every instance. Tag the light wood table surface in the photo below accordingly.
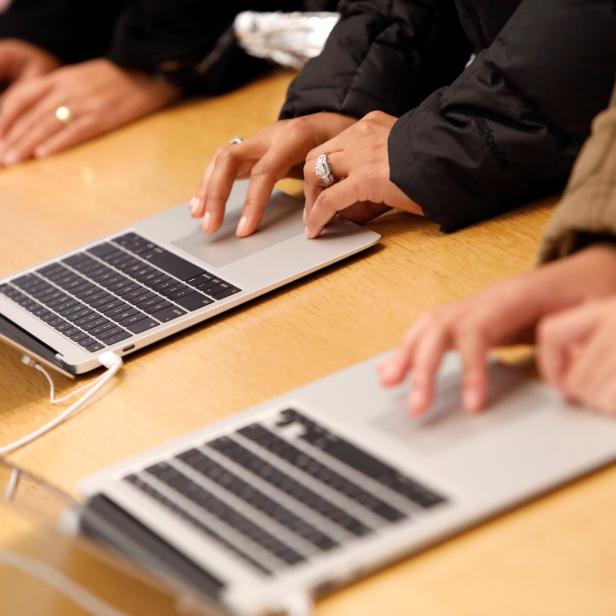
(554, 556)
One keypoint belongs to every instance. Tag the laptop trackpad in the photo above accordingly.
(282, 220)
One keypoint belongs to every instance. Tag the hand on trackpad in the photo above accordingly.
(281, 221)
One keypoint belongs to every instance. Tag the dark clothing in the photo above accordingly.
(474, 142)
(587, 212)
(186, 41)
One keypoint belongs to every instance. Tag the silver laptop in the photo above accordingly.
(320, 486)
(158, 277)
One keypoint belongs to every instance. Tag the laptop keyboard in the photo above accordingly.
(280, 492)
(114, 290)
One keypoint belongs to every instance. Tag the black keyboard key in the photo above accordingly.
(168, 314)
(201, 281)
(92, 323)
(313, 467)
(132, 318)
(201, 463)
(165, 284)
(144, 487)
(259, 467)
(78, 336)
(100, 329)
(126, 291)
(222, 291)
(142, 325)
(49, 271)
(116, 337)
(157, 307)
(135, 295)
(82, 314)
(88, 342)
(363, 462)
(181, 292)
(171, 289)
(228, 515)
(26, 282)
(172, 264)
(111, 305)
(124, 314)
(101, 250)
(89, 317)
(193, 301)
(151, 301)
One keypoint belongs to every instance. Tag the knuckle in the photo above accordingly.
(546, 330)
(309, 174)
(323, 201)
(374, 116)
(252, 204)
(261, 169)
(226, 154)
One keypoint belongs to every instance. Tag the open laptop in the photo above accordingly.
(158, 277)
(322, 485)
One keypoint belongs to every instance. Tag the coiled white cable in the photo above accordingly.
(59, 582)
(111, 361)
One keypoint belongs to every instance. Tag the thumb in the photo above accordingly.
(559, 336)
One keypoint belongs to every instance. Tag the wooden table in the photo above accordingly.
(555, 556)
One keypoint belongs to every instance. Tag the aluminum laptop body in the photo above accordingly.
(158, 277)
(322, 485)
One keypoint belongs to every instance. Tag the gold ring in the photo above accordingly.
(64, 115)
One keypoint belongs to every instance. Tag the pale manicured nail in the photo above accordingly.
(241, 226)
(471, 400)
(193, 204)
(417, 400)
(387, 370)
(206, 220)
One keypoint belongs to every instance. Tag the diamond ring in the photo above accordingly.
(236, 140)
(323, 171)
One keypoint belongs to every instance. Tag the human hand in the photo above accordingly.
(273, 153)
(577, 354)
(503, 314)
(359, 160)
(101, 97)
(20, 61)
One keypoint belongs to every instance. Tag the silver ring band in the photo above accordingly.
(236, 140)
(323, 171)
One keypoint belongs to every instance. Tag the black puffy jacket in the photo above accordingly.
(471, 142)
(187, 41)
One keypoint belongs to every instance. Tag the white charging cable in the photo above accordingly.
(110, 360)
(59, 582)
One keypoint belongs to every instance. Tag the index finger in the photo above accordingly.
(18, 98)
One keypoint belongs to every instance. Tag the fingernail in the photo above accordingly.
(241, 226)
(471, 400)
(193, 204)
(417, 400)
(206, 220)
(387, 371)
(305, 216)
(312, 234)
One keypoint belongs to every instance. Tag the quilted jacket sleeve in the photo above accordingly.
(382, 54)
(510, 127)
